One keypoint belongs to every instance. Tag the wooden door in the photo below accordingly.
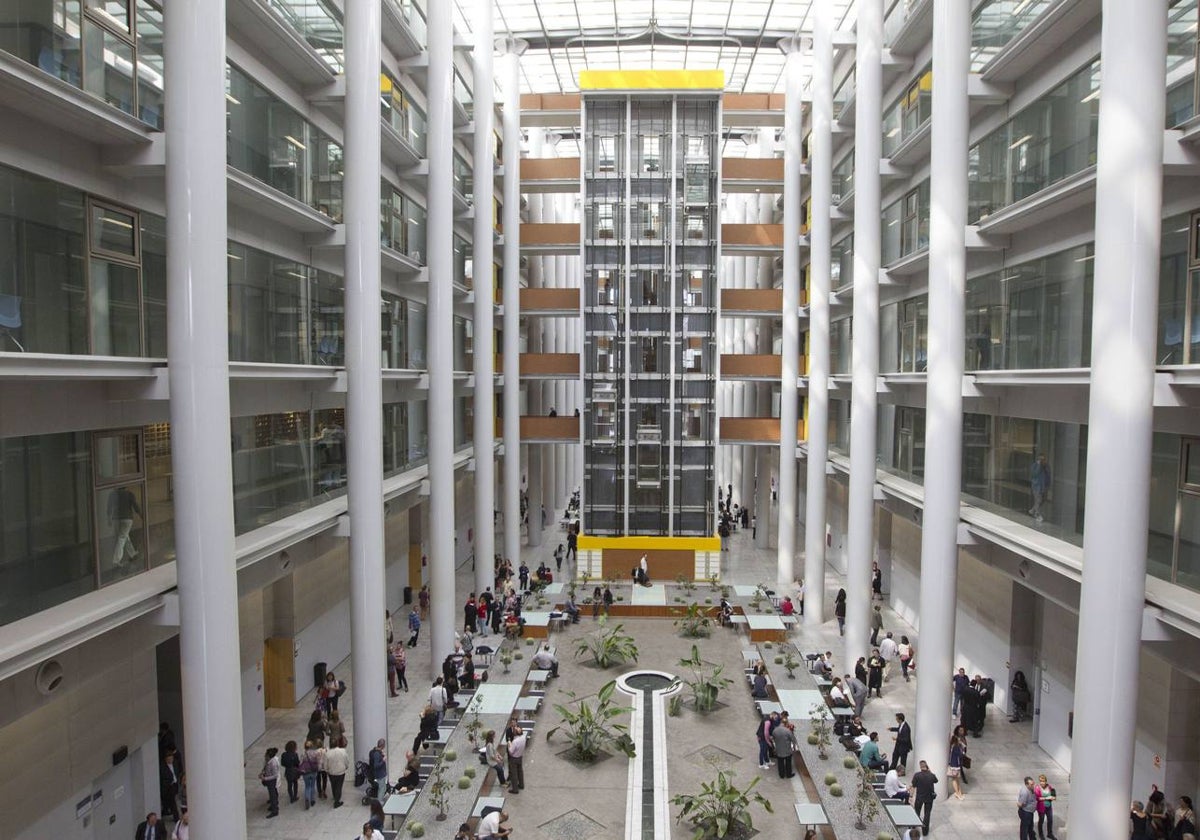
(279, 673)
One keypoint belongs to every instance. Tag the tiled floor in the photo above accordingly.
(1001, 757)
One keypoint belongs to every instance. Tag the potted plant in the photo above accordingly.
(866, 802)
(707, 680)
(693, 621)
(608, 646)
(790, 663)
(590, 728)
(506, 658)
(721, 809)
(820, 729)
(439, 789)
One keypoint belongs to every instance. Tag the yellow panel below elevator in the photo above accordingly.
(648, 543)
(652, 80)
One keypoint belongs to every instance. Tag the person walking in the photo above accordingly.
(269, 776)
(960, 681)
(558, 557)
(310, 765)
(876, 583)
(1026, 807)
(875, 674)
(839, 610)
(907, 654)
(784, 739)
(876, 624)
(290, 762)
(888, 650)
(414, 627)
(960, 732)
(516, 754)
(1045, 807)
(904, 744)
(151, 829)
(337, 765)
(572, 544)
(423, 600)
(957, 751)
(335, 730)
(1039, 485)
(168, 785)
(924, 785)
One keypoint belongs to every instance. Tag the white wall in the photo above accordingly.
(904, 590)
(326, 639)
(982, 638)
(1055, 695)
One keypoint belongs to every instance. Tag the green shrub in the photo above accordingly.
(675, 705)
(450, 755)
(767, 645)
(813, 740)
(469, 772)
(416, 829)
(708, 601)
(835, 790)
(778, 660)
(518, 655)
(464, 782)
(883, 835)
(830, 779)
(849, 762)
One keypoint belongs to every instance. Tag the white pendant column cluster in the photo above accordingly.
(440, 334)
(483, 264)
(868, 150)
(198, 369)
(510, 78)
(793, 212)
(1129, 175)
(819, 272)
(944, 403)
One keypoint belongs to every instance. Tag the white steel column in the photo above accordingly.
(944, 403)
(868, 148)
(364, 383)
(440, 334)
(483, 262)
(793, 212)
(820, 241)
(198, 368)
(1120, 412)
(510, 76)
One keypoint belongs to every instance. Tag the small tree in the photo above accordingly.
(866, 803)
(714, 582)
(820, 729)
(589, 728)
(474, 725)
(439, 788)
(608, 646)
(693, 621)
(506, 658)
(720, 808)
(706, 682)
(790, 662)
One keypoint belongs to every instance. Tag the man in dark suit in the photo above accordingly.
(925, 788)
(168, 785)
(151, 829)
(904, 743)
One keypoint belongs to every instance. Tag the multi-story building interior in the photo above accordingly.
(918, 282)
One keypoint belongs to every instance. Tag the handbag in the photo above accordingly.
(965, 761)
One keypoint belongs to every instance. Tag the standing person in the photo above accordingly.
(839, 610)
(960, 732)
(925, 790)
(516, 754)
(888, 650)
(337, 764)
(391, 670)
(876, 583)
(470, 614)
(763, 732)
(957, 751)
(876, 624)
(182, 829)
(1039, 485)
(336, 689)
(754, 533)
(414, 627)
(875, 674)
(269, 776)
(800, 594)
(438, 696)
(310, 765)
(401, 666)
(423, 600)
(122, 507)
(1185, 819)
(494, 755)
(858, 693)
(335, 730)
(903, 739)
(290, 761)
(961, 681)
(1045, 808)
(558, 557)
(523, 575)
(572, 543)
(168, 785)
(1139, 821)
(151, 829)
(377, 760)
(389, 633)
(784, 740)
(860, 669)
(905, 651)
(1026, 807)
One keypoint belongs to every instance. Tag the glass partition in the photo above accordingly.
(906, 225)
(996, 23)
(462, 93)
(843, 94)
(843, 178)
(401, 114)
(1053, 138)
(275, 145)
(908, 113)
(1179, 292)
(319, 23)
(403, 224)
(841, 266)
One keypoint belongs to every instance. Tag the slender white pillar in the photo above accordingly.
(820, 241)
(944, 404)
(793, 212)
(440, 334)
(198, 368)
(537, 456)
(559, 337)
(510, 76)
(1120, 413)
(483, 261)
(868, 148)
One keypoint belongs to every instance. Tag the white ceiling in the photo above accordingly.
(738, 36)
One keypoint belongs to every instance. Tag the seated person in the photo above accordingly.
(854, 734)
(824, 665)
(760, 686)
(468, 672)
(512, 625)
(546, 661)
(572, 609)
(429, 728)
(489, 825)
(411, 779)
(465, 832)
(786, 607)
(892, 787)
(870, 756)
(837, 697)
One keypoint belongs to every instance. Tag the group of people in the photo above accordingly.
(321, 768)
(1156, 820)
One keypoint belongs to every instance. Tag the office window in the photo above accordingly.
(906, 225)
(403, 224)
(1174, 545)
(651, 153)
(1179, 292)
(401, 114)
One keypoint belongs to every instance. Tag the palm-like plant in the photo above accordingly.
(720, 807)
(706, 682)
(608, 646)
(590, 728)
(693, 621)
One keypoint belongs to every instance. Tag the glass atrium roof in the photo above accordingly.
(566, 36)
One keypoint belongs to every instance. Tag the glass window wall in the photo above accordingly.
(1050, 140)
(398, 111)
(998, 22)
(906, 225)
(319, 23)
(403, 224)
(908, 113)
(843, 178)
(1179, 292)
(840, 339)
(403, 333)
(274, 144)
(282, 311)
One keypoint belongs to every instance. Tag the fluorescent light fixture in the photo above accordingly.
(233, 256)
(1085, 259)
(295, 142)
(894, 132)
(229, 97)
(1093, 95)
(109, 220)
(893, 222)
(1020, 7)
(1021, 142)
(1010, 277)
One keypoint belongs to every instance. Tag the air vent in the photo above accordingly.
(49, 677)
